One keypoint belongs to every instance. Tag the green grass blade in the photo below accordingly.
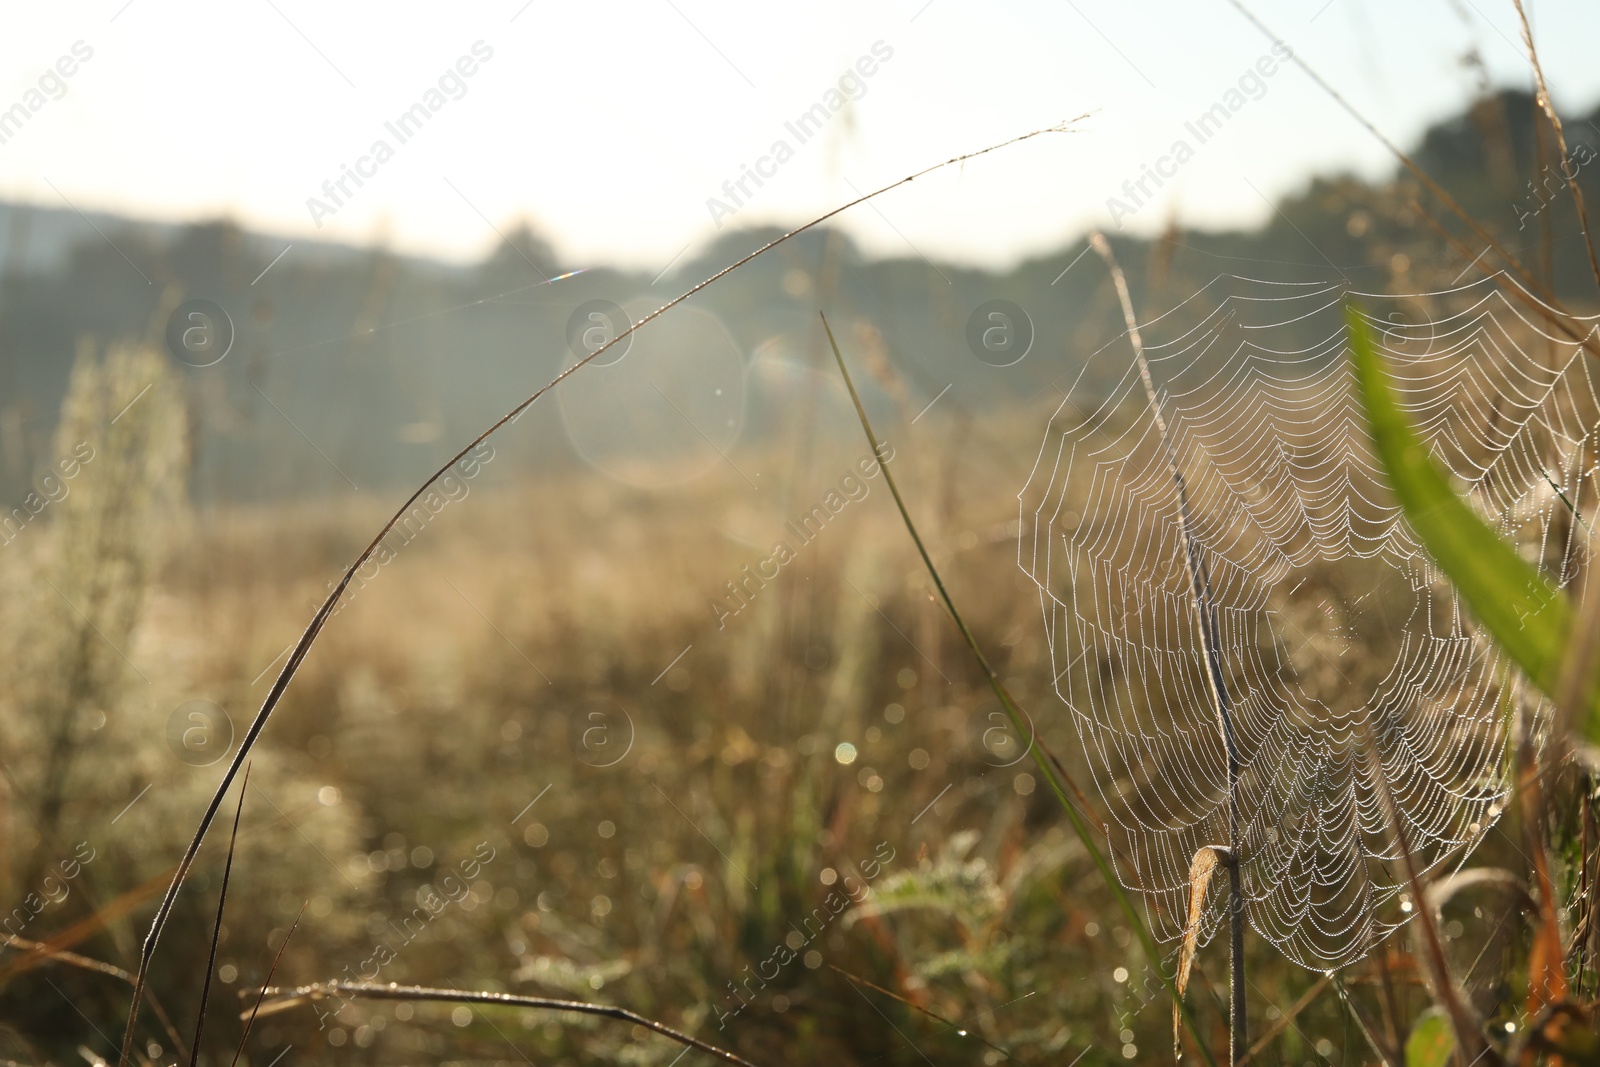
(1053, 772)
(1528, 617)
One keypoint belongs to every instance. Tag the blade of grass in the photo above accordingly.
(1052, 769)
(1525, 615)
(1494, 581)
(276, 959)
(50, 953)
(309, 636)
(1529, 618)
(388, 991)
(216, 930)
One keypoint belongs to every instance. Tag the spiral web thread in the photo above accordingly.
(1333, 622)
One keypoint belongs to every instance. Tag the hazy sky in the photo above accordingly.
(611, 124)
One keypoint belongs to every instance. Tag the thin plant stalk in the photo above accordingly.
(216, 931)
(1547, 981)
(1471, 1048)
(1549, 108)
(1578, 950)
(1537, 299)
(1052, 769)
(1392, 1018)
(277, 958)
(1209, 628)
(390, 991)
(52, 954)
(1550, 307)
(309, 636)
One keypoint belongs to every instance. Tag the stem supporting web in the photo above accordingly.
(1329, 620)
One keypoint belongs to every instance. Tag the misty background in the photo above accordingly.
(361, 367)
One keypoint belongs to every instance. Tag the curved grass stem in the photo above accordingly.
(1052, 769)
(309, 636)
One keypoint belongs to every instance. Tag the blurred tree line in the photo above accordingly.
(382, 363)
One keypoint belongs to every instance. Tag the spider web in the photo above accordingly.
(1334, 624)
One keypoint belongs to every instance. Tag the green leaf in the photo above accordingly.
(1432, 1041)
(1528, 617)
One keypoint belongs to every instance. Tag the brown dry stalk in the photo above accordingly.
(1536, 302)
(1470, 1044)
(1547, 980)
(1208, 627)
(1055, 774)
(1200, 872)
(387, 991)
(47, 953)
(277, 958)
(85, 928)
(1549, 109)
